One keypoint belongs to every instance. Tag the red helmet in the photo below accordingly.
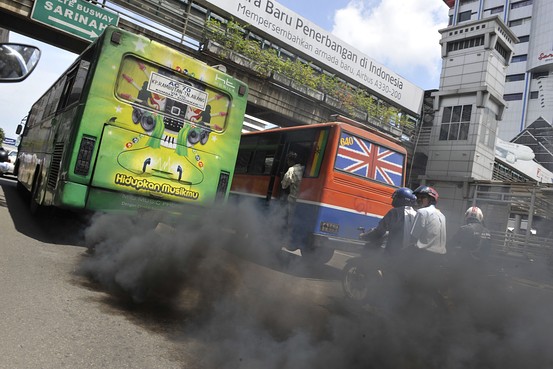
(428, 191)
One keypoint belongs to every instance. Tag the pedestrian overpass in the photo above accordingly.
(180, 24)
(273, 98)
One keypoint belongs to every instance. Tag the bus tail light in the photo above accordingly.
(222, 185)
(85, 155)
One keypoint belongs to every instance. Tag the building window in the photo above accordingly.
(464, 16)
(514, 77)
(465, 44)
(518, 22)
(519, 58)
(512, 97)
(497, 9)
(487, 128)
(520, 4)
(501, 50)
(534, 95)
(455, 123)
(522, 39)
(503, 173)
(539, 75)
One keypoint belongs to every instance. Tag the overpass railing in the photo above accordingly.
(405, 133)
(524, 247)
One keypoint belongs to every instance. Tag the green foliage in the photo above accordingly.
(266, 61)
(2, 136)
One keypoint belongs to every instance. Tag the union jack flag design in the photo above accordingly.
(366, 159)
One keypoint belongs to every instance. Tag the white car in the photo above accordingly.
(7, 167)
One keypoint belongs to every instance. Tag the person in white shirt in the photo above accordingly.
(425, 264)
(290, 183)
(292, 178)
(429, 227)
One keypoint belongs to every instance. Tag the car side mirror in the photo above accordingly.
(17, 61)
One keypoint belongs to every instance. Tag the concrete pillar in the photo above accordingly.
(518, 220)
(530, 216)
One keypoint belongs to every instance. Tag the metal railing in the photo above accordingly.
(178, 21)
(524, 247)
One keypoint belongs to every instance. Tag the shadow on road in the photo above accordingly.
(50, 226)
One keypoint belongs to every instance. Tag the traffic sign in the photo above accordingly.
(9, 141)
(80, 18)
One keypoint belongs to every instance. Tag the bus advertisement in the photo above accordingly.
(349, 176)
(132, 124)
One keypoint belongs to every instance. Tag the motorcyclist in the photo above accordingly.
(396, 223)
(429, 227)
(473, 240)
(363, 276)
(424, 262)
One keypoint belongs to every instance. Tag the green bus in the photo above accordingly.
(132, 124)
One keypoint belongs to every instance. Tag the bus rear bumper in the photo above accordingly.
(72, 195)
(337, 243)
(113, 201)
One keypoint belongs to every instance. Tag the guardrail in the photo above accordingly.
(525, 247)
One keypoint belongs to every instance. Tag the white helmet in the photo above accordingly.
(474, 213)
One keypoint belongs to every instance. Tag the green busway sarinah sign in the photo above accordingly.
(80, 18)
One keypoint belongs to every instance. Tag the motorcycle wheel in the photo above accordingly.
(355, 282)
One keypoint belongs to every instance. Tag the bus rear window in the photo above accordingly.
(178, 97)
(366, 159)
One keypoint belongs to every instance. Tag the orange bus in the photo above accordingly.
(350, 174)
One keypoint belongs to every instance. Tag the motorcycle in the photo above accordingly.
(363, 275)
(373, 278)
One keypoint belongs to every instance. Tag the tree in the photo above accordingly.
(235, 37)
(2, 135)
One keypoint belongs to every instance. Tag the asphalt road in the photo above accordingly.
(53, 316)
(191, 297)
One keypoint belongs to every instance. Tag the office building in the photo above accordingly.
(495, 87)
(469, 104)
(529, 79)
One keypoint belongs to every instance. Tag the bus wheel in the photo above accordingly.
(317, 255)
(290, 247)
(34, 206)
(21, 189)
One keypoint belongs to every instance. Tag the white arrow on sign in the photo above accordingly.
(90, 33)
